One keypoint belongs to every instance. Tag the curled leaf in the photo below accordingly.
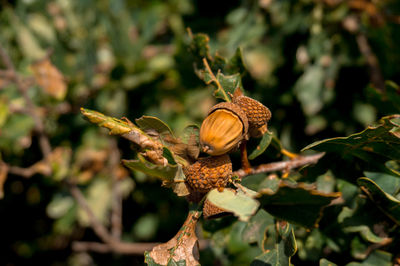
(388, 204)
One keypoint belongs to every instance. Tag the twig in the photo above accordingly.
(44, 142)
(213, 78)
(116, 197)
(41, 167)
(117, 247)
(98, 228)
(373, 63)
(278, 166)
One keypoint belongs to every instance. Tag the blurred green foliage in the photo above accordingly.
(324, 68)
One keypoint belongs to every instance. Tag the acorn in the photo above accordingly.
(208, 173)
(257, 114)
(223, 129)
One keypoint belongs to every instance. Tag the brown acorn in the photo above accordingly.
(223, 129)
(208, 173)
(257, 114)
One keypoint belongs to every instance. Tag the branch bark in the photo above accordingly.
(279, 166)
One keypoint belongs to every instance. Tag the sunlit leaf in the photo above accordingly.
(116, 126)
(240, 204)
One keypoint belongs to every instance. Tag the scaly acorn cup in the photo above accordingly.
(210, 211)
(257, 114)
(223, 129)
(208, 173)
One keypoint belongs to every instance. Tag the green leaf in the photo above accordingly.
(59, 206)
(240, 204)
(365, 232)
(264, 143)
(255, 230)
(298, 203)
(171, 262)
(167, 154)
(166, 173)
(286, 235)
(279, 255)
(388, 204)
(388, 183)
(146, 123)
(99, 201)
(309, 89)
(146, 226)
(377, 257)
(374, 145)
(229, 84)
(4, 111)
(387, 101)
(199, 46)
(325, 262)
(236, 63)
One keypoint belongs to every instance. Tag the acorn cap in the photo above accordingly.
(257, 114)
(223, 129)
(208, 173)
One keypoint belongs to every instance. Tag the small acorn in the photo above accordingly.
(223, 129)
(208, 173)
(257, 114)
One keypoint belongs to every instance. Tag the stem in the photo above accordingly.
(213, 78)
(243, 155)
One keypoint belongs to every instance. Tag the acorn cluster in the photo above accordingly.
(225, 127)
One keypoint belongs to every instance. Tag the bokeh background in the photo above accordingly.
(319, 65)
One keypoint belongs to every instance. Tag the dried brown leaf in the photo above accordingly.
(183, 246)
(49, 78)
